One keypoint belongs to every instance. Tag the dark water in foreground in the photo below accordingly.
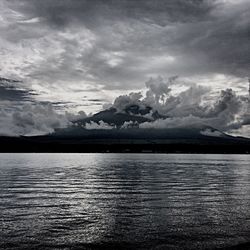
(124, 201)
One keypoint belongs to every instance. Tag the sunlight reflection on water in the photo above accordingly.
(141, 201)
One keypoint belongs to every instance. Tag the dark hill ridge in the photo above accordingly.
(196, 131)
(174, 140)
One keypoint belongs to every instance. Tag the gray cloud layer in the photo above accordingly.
(118, 44)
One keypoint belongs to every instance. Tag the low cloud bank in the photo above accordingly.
(101, 125)
(32, 120)
(227, 111)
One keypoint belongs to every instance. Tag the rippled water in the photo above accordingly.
(124, 201)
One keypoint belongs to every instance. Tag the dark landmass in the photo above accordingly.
(196, 138)
(177, 140)
(243, 246)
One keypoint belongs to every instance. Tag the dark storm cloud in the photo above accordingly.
(10, 92)
(96, 100)
(202, 36)
(60, 13)
(220, 44)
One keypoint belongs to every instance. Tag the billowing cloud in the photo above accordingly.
(31, 120)
(209, 132)
(100, 125)
(158, 89)
(226, 112)
(124, 101)
(74, 117)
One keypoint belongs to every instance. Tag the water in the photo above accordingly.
(124, 201)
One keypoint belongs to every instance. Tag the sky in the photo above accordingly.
(78, 55)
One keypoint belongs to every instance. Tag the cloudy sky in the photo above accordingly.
(81, 54)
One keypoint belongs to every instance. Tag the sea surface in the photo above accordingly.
(124, 201)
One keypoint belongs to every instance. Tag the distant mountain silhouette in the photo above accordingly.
(117, 118)
(111, 117)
